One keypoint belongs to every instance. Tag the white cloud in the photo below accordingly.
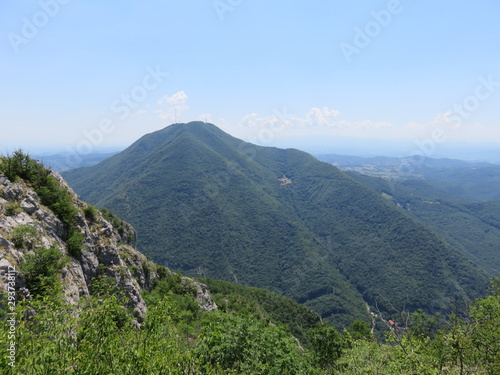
(178, 99)
(328, 122)
(442, 118)
(172, 106)
(319, 120)
(253, 121)
(322, 116)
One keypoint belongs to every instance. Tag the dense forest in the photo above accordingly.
(210, 205)
(468, 224)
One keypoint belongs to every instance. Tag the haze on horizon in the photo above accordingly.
(375, 77)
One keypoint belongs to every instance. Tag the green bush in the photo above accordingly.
(111, 218)
(245, 345)
(120, 226)
(41, 270)
(101, 339)
(15, 166)
(24, 235)
(75, 242)
(328, 345)
(162, 272)
(90, 212)
(13, 208)
(359, 329)
(170, 284)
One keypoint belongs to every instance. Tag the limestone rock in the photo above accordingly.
(101, 255)
(108, 252)
(203, 297)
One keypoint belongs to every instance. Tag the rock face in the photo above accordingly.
(203, 297)
(108, 251)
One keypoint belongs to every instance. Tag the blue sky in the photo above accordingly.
(323, 75)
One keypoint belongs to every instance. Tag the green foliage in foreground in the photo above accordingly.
(103, 340)
(99, 337)
(263, 304)
(20, 166)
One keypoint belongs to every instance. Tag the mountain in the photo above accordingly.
(469, 226)
(60, 162)
(421, 162)
(464, 180)
(208, 204)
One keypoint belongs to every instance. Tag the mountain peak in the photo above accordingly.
(195, 131)
(192, 127)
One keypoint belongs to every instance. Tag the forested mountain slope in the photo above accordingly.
(472, 227)
(211, 205)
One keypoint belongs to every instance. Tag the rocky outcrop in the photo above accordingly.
(203, 297)
(107, 253)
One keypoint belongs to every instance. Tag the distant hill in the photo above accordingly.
(395, 162)
(472, 181)
(214, 206)
(61, 162)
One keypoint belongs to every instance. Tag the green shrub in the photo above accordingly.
(20, 165)
(90, 212)
(13, 208)
(24, 235)
(328, 345)
(65, 209)
(75, 242)
(359, 329)
(111, 218)
(245, 345)
(172, 284)
(41, 270)
(176, 284)
(162, 271)
(120, 226)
